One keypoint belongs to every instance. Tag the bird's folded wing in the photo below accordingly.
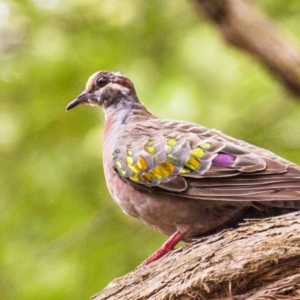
(192, 161)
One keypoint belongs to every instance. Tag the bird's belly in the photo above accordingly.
(167, 213)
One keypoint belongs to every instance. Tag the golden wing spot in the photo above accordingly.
(205, 146)
(147, 178)
(171, 142)
(197, 152)
(118, 164)
(129, 160)
(161, 170)
(142, 163)
(193, 163)
(119, 168)
(150, 149)
(135, 178)
(129, 152)
(185, 170)
(168, 167)
(170, 145)
(135, 169)
(122, 172)
(155, 174)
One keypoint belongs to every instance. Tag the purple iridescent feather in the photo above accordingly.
(223, 160)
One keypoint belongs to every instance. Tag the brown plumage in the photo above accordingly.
(181, 178)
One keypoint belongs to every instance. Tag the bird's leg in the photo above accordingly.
(168, 246)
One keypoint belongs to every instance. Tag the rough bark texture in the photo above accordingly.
(259, 260)
(246, 28)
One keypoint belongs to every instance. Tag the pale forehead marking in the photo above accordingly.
(90, 82)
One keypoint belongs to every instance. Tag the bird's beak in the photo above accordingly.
(81, 99)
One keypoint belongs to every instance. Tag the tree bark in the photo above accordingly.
(258, 260)
(248, 29)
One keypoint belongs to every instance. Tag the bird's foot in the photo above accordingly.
(168, 246)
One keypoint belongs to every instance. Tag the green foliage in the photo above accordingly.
(61, 235)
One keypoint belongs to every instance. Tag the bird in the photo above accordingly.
(179, 177)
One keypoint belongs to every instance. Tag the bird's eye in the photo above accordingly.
(101, 81)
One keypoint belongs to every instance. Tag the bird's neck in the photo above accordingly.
(117, 117)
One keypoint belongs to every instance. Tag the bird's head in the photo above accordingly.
(105, 89)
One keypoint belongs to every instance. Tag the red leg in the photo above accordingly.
(168, 246)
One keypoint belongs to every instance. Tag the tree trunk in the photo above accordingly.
(258, 260)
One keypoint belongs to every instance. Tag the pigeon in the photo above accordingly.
(181, 178)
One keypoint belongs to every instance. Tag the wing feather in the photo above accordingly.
(188, 160)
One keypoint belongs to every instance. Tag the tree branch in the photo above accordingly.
(259, 260)
(246, 28)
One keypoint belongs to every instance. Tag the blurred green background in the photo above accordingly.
(61, 235)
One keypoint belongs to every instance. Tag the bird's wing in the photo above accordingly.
(190, 160)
